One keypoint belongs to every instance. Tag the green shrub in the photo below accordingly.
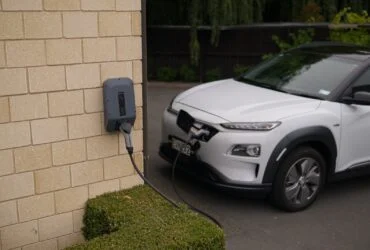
(359, 36)
(166, 74)
(187, 74)
(303, 36)
(140, 219)
(213, 74)
(240, 69)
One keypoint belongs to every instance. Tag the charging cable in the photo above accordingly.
(125, 128)
(183, 200)
(194, 136)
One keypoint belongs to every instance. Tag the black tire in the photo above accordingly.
(285, 186)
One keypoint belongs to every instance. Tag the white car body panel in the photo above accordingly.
(238, 102)
(231, 101)
(200, 115)
(355, 146)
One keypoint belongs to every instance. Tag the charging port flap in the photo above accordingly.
(185, 121)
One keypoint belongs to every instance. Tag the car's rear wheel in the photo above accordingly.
(299, 179)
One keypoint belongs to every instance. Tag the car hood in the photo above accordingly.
(238, 102)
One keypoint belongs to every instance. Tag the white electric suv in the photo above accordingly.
(284, 128)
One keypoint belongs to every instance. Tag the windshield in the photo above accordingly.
(299, 73)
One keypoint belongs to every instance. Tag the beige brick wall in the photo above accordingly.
(54, 151)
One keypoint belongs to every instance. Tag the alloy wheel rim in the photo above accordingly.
(302, 181)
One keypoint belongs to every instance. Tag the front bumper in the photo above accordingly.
(206, 173)
(234, 170)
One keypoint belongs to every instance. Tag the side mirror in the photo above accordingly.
(360, 97)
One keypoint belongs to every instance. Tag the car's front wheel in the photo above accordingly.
(299, 179)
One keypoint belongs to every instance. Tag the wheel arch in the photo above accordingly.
(318, 137)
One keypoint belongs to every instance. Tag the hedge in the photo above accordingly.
(139, 218)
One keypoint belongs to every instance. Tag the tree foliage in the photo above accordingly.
(224, 12)
(303, 36)
(214, 13)
(311, 13)
(290, 10)
(354, 35)
(217, 13)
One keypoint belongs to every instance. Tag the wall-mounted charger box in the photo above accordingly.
(119, 103)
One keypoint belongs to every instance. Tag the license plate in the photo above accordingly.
(182, 147)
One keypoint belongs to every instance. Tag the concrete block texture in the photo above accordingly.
(98, 5)
(47, 244)
(128, 5)
(8, 213)
(83, 76)
(99, 49)
(62, 5)
(87, 125)
(49, 130)
(14, 134)
(87, 172)
(13, 81)
(55, 226)
(25, 53)
(54, 151)
(71, 199)
(67, 152)
(46, 79)
(63, 51)
(80, 24)
(11, 25)
(4, 110)
(28, 107)
(16, 186)
(52, 179)
(6, 162)
(32, 158)
(103, 187)
(34, 25)
(102, 146)
(2, 55)
(115, 24)
(19, 234)
(66, 103)
(22, 5)
(35, 207)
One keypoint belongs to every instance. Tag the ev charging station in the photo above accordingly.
(120, 115)
(119, 108)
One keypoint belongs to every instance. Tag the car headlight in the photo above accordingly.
(255, 126)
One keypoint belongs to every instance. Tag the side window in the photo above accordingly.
(362, 83)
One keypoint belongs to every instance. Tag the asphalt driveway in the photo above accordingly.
(340, 218)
